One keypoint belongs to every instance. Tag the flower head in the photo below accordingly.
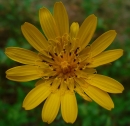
(64, 64)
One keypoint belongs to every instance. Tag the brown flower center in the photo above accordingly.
(65, 65)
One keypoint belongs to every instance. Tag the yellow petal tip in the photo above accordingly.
(42, 9)
(121, 51)
(25, 23)
(122, 89)
(113, 32)
(58, 2)
(92, 15)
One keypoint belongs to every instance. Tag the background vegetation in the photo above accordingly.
(112, 14)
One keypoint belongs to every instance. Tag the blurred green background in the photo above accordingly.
(112, 14)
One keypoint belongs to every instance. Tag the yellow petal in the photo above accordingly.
(102, 42)
(48, 72)
(81, 82)
(84, 54)
(74, 28)
(100, 97)
(24, 73)
(43, 65)
(106, 83)
(74, 42)
(41, 81)
(80, 91)
(46, 58)
(70, 84)
(86, 30)
(34, 37)
(84, 73)
(51, 107)
(63, 87)
(106, 57)
(22, 55)
(36, 96)
(89, 70)
(55, 84)
(48, 24)
(61, 18)
(44, 81)
(69, 108)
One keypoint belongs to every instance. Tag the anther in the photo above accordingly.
(76, 50)
(74, 60)
(50, 54)
(56, 54)
(59, 87)
(68, 88)
(64, 50)
(87, 64)
(43, 61)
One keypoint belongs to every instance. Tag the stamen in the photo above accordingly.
(76, 50)
(59, 87)
(50, 84)
(50, 54)
(56, 54)
(64, 50)
(74, 60)
(43, 61)
(87, 64)
(64, 62)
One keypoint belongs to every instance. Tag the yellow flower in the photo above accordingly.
(65, 64)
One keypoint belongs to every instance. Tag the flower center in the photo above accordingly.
(63, 57)
(65, 67)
